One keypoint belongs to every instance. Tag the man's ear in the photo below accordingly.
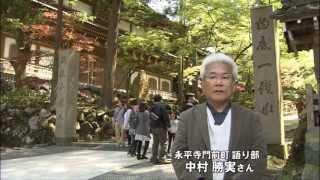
(201, 82)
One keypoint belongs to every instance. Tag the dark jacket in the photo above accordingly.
(133, 119)
(160, 110)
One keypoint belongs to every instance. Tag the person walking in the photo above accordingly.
(172, 130)
(142, 130)
(118, 120)
(159, 123)
(133, 119)
(126, 124)
(191, 101)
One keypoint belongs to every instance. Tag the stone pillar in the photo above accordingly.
(268, 97)
(66, 101)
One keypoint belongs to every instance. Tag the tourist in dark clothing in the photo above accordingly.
(159, 123)
(191, 101)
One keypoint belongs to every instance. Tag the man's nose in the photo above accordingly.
(219, 81)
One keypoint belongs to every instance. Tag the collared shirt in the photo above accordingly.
(219, 116)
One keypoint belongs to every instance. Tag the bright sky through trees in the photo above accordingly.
(159, 5)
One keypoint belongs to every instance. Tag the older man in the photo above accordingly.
(219, 140)
(118, 120)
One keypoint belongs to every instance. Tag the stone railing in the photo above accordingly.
(42, 72)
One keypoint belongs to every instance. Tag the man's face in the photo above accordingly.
(218, 84)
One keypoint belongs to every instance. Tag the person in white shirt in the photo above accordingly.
(126, 124)
(172, 130)
(130, 124)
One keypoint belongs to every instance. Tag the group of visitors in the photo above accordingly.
(138, 123)
(217, 125)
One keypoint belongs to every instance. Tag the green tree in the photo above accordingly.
(16, 17)
(225, 26)
(28, 22)
(111, 53)
(139, 14)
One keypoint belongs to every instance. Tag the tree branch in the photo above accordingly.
(242, 51)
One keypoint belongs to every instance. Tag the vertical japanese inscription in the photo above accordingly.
(266, 72)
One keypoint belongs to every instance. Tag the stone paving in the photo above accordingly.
(143, 171)
(106, 161)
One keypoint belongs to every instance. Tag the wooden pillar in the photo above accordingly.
(181, 84)
(316, 56)
(311, 146)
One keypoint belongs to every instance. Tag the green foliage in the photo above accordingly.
(225, 26)
(79, 16)
(210, 24)
(191, 72)
(140, 14)
(295, 164)
(11, 23)
(16, 13)
(24, 97)
(150, 41)
(200, 24)
(245, 98)
(15, 129)
(71, 3)
(296, 72)
(82, 17)
(103, 7)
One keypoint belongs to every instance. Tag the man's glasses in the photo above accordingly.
(216, 77)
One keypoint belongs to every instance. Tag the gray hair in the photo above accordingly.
(218, 58)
